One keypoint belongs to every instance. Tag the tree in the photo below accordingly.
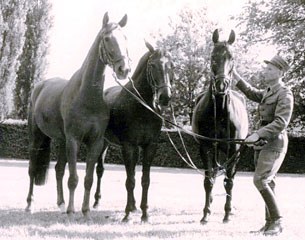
(281, 23)
(12, 28)
(33, 58)
(189, 44)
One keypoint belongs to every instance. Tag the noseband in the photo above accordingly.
(217, 78)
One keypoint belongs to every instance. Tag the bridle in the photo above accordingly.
(150, 77)
(225, 104)
(216, 78)
(105, 56)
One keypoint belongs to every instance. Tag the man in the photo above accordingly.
(275, 110)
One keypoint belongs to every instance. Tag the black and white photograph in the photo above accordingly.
(141, 119)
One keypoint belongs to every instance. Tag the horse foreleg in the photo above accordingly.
(130, 155)
(99, 173)
(60, 171)
(228, 185)
(94, 151)
(72, 147)
(209, 181)
(148, 155)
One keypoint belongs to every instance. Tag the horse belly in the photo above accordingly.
(45, 108)
(136, 133)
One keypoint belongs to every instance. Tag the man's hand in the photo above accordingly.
(236, 76)
(254, 137)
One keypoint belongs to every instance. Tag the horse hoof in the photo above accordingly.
(144, 219)
(70, 213)
(133, 209)
(28, 209)
(203, 221)
(96, 205)
(62, 208)
(87, 216)
(226, 220)
(125, 219)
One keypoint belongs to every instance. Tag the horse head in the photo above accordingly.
(221, 63)
(159, 74)
(113, 46)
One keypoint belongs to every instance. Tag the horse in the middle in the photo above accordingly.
(133, 126)
(220, 113)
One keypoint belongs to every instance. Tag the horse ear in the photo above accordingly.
(215, 36)
(231, 37)
(123, 21)
(105, 19)
(149, 46)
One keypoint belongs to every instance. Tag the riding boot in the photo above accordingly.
(267, 223)
(275, 226)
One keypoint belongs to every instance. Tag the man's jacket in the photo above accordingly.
(275, 110)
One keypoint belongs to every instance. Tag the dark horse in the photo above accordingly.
(134, 127)
(220, 113)
(73, 112)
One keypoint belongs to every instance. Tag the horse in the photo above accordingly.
(220, 113)
(74, 112)
(133, 127)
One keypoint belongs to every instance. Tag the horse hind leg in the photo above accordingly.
(99, 172)
(60, 171)
(39, 161)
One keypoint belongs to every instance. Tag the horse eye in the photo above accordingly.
(107, 39)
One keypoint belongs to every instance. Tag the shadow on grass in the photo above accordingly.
(46, 218)
(102, 225)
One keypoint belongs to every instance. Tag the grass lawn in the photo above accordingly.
(176, 200)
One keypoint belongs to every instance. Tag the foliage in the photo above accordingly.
(189, 44)
(23, 46)
(281, 23)
(12, 29)
(33, 57)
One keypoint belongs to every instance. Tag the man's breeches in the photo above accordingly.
(268, 162)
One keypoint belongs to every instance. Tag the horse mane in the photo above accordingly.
(142, 62)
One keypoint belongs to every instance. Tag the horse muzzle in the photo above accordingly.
(164, 97)
(121, 69)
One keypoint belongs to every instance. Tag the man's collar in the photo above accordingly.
(276, 86)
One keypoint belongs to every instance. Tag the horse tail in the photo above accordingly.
(39, 163)
(40, 148)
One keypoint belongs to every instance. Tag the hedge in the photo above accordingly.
(14, 144)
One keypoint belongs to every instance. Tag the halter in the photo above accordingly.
(215, 79)
(225, 103)
(104, 54)
(151, 80)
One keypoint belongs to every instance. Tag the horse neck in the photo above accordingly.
(141, 82)
(220, 103)
(92, 70)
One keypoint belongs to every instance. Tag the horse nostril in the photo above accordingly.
(123, 71)
(164, 100)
